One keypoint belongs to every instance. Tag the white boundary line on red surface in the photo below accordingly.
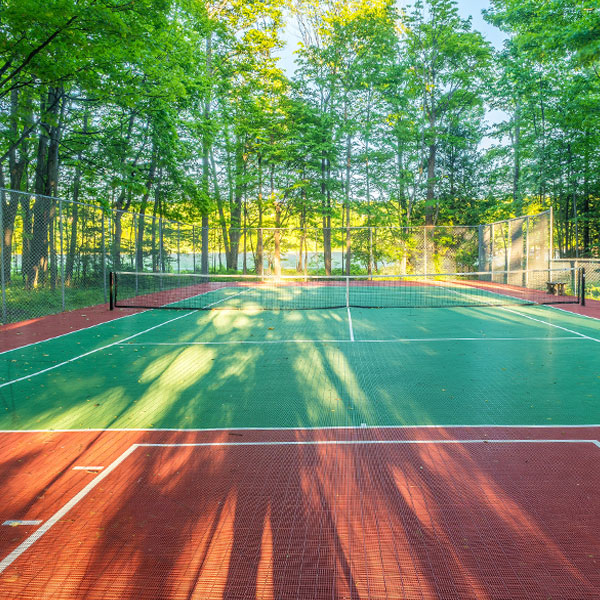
(58, 515)
(570, 312)
(112, 344)
(70, 332)
(97, 324)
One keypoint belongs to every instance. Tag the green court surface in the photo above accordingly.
(317, 368)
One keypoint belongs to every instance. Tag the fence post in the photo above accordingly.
(507, 251)
(103, 246)
(492, 249)
(425, 266)
(527, 252)
(160, 246)
(370, 268)
(193, 248)
(481, 250)
(178, 248)
(551, 241)
(62, 255)
(2, 273)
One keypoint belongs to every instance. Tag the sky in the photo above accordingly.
(466, 8)
(473, 8)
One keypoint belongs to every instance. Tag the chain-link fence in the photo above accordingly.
(56, 254)
(514, 246)
(592, 273)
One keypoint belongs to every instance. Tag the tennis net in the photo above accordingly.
(290, 292)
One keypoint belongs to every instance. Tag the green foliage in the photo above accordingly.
(181, 108)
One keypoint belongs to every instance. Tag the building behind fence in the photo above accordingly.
(57, 254)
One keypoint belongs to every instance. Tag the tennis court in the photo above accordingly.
(446, 449)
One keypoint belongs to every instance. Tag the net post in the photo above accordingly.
(111, 294)
(582, 285)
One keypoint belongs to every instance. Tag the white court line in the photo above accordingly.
(315, 428)
(350, 325)
(91, 326)
(118, 342)
(582, 335)
(569, 312)
(326, 341)
(36, 535)
(74, 331)
(363, 443)
(70, 360)
(16, 523)
(88, 468)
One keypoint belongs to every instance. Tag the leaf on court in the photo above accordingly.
(271, 328)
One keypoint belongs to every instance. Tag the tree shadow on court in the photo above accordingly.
(308, 520)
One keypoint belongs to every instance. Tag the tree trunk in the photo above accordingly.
(348, 253)
(277, 256)
(16, 167)
(204, 245)
(220, 204)
(38, 260)
(429, 207)
(518, 201)
(586, 200)
(69, 267)
(236, 208)
(326, 200)
(139, 247)
(300, 264)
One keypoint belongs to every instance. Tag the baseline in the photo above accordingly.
(64, 510)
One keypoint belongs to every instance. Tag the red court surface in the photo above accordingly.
(498, 513)
(15, 335)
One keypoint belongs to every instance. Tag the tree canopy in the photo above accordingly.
(182, 109)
